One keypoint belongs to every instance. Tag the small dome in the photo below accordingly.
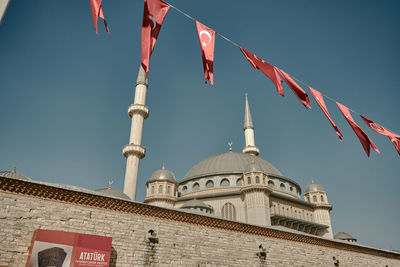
(195, 203)
(313, 187)
(110, 192)
(253, 167)
(14, 175)
(163, 174)
(344, 236)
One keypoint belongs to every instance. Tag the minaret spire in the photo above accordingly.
(134, 151)
(250, 147)
(248, 123)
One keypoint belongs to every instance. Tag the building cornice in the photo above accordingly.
(93, 200)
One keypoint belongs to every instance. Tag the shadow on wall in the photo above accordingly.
(113, 257)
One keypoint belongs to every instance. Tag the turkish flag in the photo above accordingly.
(394, 138)
(207, 44)
(364, 139)
(153, 18)
(320, 100)
(299, 92)
(268, 69)
(97, 11)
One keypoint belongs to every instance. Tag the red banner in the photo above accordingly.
(66, 249)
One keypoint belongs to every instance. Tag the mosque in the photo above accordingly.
(243, 187)
(238, 186)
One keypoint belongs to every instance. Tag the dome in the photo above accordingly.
(110, 192)
(313, 187)
(343, 236)
(229, 162)
(163, 174)
(14, 175)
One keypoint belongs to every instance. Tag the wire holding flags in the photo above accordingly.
(153, 17)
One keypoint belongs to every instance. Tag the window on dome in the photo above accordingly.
(160, 189)
(169, 190)
(239, 182)
(248, 180)
(225, 182)
(282, 186)
(271, 183)
(257, 179)
(196, 187)
(308, 199)
(228, 211)
(291, 188)
(184, 189)
(314, 198)
(263, 180)
(322, 198)
(152, 190)
(210, 184)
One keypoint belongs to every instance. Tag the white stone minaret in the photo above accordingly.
(133, 151)
(250, 147)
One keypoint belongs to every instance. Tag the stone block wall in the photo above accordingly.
(185, 239)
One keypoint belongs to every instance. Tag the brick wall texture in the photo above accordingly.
(181, 243)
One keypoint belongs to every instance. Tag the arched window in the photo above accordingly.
(308, 199)
(291, 188)
(322, 198)
(271, 183)
(210, 184)
(169, 190)
(184, 189)
(263, 180)
(257, 179)
(229, 212)
(160, 189)
(152, 189)
(248, 180)
(314, 198)
(225, 182)
(282, 186)
(196, 187)
(239, 182)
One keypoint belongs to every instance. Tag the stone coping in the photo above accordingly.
(73, 195)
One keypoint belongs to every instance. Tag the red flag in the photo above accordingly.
(97, 11)
(364, 139)
(153, 18)
(268, 69)
(320, 100)
(207, 43)
(299, 92)
(394, 138)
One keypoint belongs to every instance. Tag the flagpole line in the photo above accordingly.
(237, 45)
(190, 17)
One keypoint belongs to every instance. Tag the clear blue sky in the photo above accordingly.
(64, 94)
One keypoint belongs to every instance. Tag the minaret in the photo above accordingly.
(133, 151)
(250, 147)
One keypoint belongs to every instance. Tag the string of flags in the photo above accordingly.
(154, 14)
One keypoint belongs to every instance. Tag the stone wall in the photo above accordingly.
(185, 239)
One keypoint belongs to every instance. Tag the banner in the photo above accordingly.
(66, 249)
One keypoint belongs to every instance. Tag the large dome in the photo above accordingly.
(230, 162)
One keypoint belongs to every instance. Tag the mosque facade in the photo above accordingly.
(243, 187)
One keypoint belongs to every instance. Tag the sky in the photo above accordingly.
(65, 91)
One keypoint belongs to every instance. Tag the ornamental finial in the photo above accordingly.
(230, 146)
(110, 183)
